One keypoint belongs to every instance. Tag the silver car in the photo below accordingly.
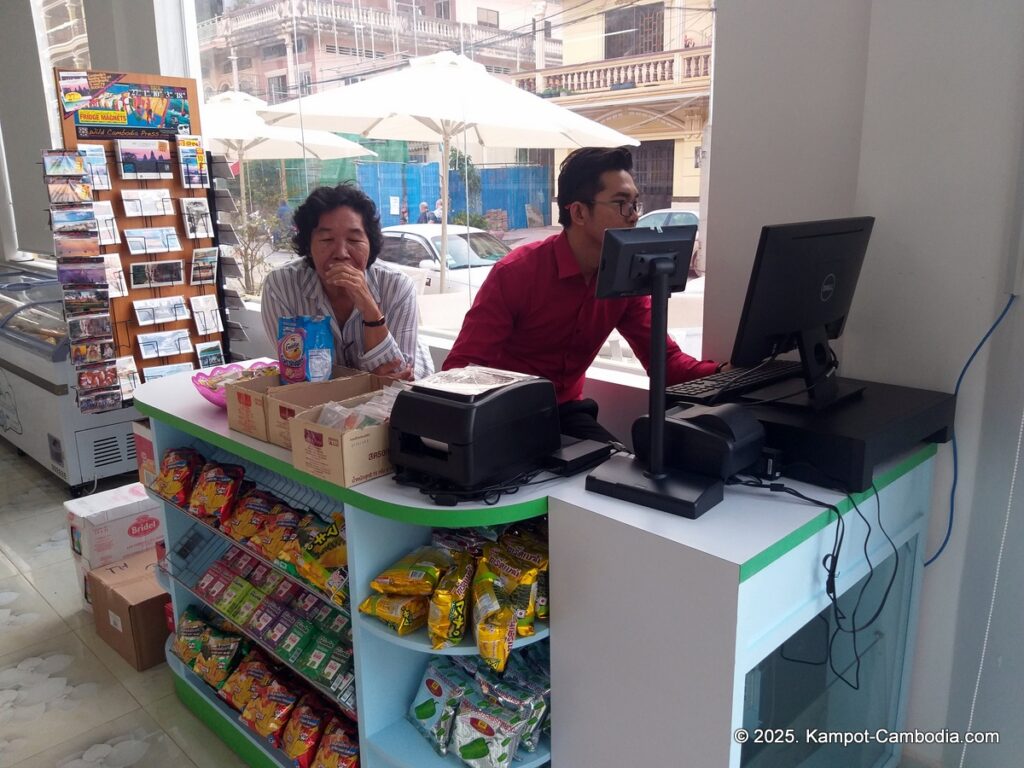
(415, 249)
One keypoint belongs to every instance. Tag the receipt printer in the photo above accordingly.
(473, 439)
(713, 440)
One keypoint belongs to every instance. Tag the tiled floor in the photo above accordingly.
(66, 698)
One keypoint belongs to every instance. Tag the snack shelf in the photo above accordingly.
(331, 696)
(221, 718)
(400, 745)
(420, 641)
(249, 551)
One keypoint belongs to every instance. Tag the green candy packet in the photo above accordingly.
(315, 657)
(484, 734)
(433, 707)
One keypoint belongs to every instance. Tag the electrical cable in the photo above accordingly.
(745, 375)
(956, 463)
(995, 585)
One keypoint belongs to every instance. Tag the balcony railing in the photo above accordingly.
(685, 66)
(449, 34)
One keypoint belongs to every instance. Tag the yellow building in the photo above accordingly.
(645, 70)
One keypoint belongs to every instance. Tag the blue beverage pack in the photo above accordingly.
(305, 348)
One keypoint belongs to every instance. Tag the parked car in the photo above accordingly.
(416, 248)
(670, 217)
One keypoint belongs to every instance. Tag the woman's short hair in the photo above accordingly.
(579, 176)
(324, 200)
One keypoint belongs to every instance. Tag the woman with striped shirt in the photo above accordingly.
(372, 306)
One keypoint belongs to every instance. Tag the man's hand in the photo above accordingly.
(396, 369)
(352, 280)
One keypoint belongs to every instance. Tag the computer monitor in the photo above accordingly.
(799, 295)
(627, 253)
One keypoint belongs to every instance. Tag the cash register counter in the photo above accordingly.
(665, 632)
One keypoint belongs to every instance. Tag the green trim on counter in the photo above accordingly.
(228, 733)
(440, 517)
(768, 556)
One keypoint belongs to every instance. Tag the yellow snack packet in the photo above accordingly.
(446, 621)
(415, 574)
(403, 614)
(494, 620)
(520, 581)
(535, 552)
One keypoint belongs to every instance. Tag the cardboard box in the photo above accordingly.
(145, 456)
(247, 405)
(110, 525)
(82, 569)
(128, 606)
(282, 403)
(343, 458)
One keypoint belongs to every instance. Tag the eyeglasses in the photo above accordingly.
(626, 208)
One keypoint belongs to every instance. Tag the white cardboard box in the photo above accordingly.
(113, 524)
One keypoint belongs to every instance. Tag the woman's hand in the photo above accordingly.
(396, 369)
(352, 280)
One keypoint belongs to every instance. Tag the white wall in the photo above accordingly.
(911, 111)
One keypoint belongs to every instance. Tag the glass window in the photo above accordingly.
(486, 17)
(474, 249)
(277, 89)
(443, 10)
(634, 31)
(406, 251)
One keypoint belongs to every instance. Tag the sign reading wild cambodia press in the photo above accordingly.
(107, 106)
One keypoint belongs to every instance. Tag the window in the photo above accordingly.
(305, 83)
(634, 31)
(275, 51)
(404, 251)
(486, 17)
(277, 89)
(443, 10)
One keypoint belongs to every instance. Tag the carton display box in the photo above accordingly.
(110, 525)
(145, 456)
(343, 458)
(283, 403)
(128, 606)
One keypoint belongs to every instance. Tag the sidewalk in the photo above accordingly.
(516, 237)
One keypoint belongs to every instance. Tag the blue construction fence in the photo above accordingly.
(510, 188)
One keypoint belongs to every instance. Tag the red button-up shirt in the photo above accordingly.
(536, 314)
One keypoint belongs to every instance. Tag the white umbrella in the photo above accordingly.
(231, 125)
(437, 98)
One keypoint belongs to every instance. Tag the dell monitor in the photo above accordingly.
(798, 297)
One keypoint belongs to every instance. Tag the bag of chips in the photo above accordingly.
(401, 613)
(188, 635)
(178, 470)
(527, 701)
(214, 491)
(240, 685)
(446, 621)
(303, 731)
(527, 546)
(520, 581)
(278, 529)
(485, 735)
(338, 748)
(415, 574)
(433, 707)
(494, 620)
(305, 348)
(249, 515)
(217, 657)
(267, 711)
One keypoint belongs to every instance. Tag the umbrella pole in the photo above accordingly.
(445, 144)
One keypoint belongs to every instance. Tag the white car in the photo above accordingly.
(415, 249)
(671, 217)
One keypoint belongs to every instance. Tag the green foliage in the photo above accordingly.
(475, 220)
(464, 165)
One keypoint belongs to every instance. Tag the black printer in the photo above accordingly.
(473, 439)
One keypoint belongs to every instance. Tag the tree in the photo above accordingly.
(255, 245)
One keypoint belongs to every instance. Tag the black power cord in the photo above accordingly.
(444, 494)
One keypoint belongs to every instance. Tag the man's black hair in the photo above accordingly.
(579, 175)
(324, 200)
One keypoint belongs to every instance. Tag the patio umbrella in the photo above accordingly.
(232, 125)
(437, 98)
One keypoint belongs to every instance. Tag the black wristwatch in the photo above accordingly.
(375, 323)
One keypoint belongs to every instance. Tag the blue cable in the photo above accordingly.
(956, 392)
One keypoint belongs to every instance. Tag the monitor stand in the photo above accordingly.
(775, 394)
(654, 486)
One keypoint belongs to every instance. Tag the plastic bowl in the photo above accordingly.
(219, 396)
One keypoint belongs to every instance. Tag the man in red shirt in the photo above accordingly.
(536, 312)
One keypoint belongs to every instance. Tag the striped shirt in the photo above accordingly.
(295, 289)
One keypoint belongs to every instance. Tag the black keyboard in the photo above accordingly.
(720, 387)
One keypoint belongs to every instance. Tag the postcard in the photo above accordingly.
(147, 202)
(195, 211)
(74, 90)
(152, 240)
(82, 271)
(92, 351)
(99, 377)
(96, 165)
(84, 301)
(68, 190)
(100, 400)
(60, 162)
(207, 314)
(162, 310)
(153, 274)
(192, 162)
(76, 245)
(209, 353)
(144, 158)
(89, 327)
(204, 266)
(106, 223)
(76, 218)
(154, 372)
(116, 284)
(164, 344)
(127, 376)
